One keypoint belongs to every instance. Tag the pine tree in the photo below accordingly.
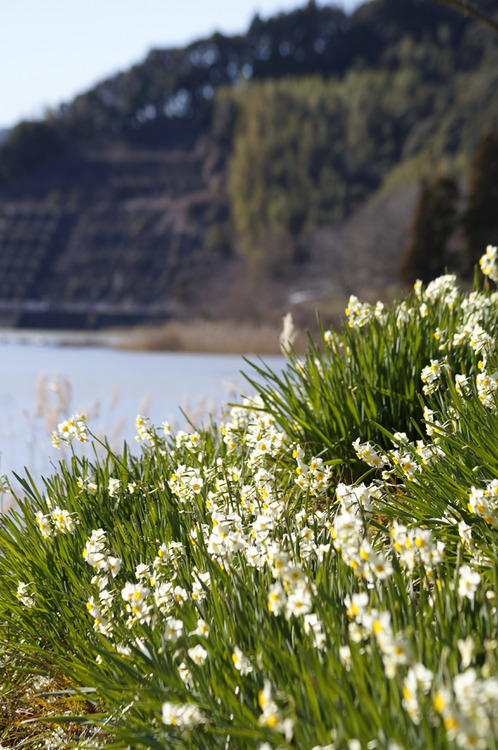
(480, 221)
(434, 223)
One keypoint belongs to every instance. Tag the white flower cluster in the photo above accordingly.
(356, 549)
(101, 612)
(432, 426)
(405, 312)
(411, 457)
(186, 482)
(95, 553)
(135, 595)
(88, 485)
(72, 428)
(57, 520)
(431, 376)
(260, 439)
(182, 715)
(359, 498)
(188, 440)
(406, 462)
(312, 477)
(361, 313)
(483, 502)
(468, 582)
(367, 622)
(291, 589)
(107, 567)
(271, 715)
(241, 662)
(489, 262)
(469, 709)
(487, 388)
(480, 340)
(24, 595)
(157, 594)
(416, 545)
(366, 452)
(442, 289)
(418, 680)
(144, 429)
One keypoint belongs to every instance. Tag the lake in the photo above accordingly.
(42, 383)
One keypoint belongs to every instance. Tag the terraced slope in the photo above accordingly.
(131, 234)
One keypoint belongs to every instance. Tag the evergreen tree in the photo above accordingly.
(29, 144)
(481, 216)
(434, 223)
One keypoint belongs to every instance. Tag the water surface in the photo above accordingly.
(39, 379)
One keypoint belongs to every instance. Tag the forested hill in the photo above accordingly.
(258, 149)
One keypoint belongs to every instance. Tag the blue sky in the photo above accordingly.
(51, 50)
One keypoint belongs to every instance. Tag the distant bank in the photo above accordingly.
(43, 383)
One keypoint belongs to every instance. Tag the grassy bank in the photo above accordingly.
(316, 571)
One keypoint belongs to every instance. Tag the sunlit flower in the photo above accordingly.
(182, 715)
(468, 582)
(276, 598)
(466, 650)
(198, 654)
(299, 602)
(114, 486)
(173, 629)
(241, 662)
(272, 716)
(24, 595)
(69, 429)
(489, 262)
(201, 629)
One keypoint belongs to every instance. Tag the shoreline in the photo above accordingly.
(196, 336)
(59, 337)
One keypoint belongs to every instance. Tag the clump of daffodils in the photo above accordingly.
(359, 314)
(25, 594)
(483, 502)
(416, 546)
(487, 388)
(74, 428)
(144, 429)
(366, 452)
(55, 521)
(182, 715)
(272, 716)
(431, 376)
(468, 707)
(96, 554)
(249, 579)
(489, 262)
(312, 475)
(444, 289)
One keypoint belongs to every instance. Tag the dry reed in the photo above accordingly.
(203, 336)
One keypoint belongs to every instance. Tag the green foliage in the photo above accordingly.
(308, 151)
(305, 152)
(224, 590)
(356, 385)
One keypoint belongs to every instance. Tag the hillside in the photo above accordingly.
(242, 165)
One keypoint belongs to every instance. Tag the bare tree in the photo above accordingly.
(471, 9)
